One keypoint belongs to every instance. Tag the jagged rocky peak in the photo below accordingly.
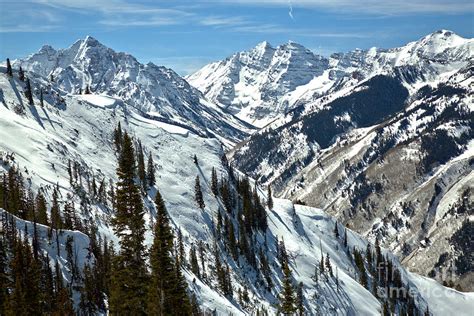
(263, 47)
(152, 89)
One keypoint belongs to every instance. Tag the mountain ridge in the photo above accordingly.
(259, 102)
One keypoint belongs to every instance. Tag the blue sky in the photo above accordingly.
(185, 35)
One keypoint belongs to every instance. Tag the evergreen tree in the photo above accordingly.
(150, 172)
(321, 265)
(24, 297)
(41, 209)
(194, 261)
(287, 296)
(21, 74)
(345, 237)
(328, 264)
(269, 198)
(201, 255)
(198, 194)
(127, 294)
(300, 299)
(180, 295)
(336, 230)
(118, 138)
(41, 98)
(195, 309)
(167, 289)
(3, 275)
(181, 256)
(87, 90)
(141, 166)
(28, 92)
(214, 182)
(9, 68)
(56, 221)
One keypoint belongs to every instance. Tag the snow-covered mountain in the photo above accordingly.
(255, 84)
(154, 90)
(396, 141)
(351, 140)
(264, 83)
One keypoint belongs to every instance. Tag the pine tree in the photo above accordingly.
(336, 230)
(41, 209)
(118, 138)
(141, 166)
(195, 309)
(300, 299)
(269, 198)
(150, 172)
(25, 282)
(214, 182)
(87, 90)
(41, 98)
(28, 92)
(21, 74)
(56, 221)
(179, 294)
(198, 194)
(181, 257)
(287, 296)
(127, 295)
(321, 265)
(9, 68)
(69, 215)
(4, 276)
(194, 261)
(328, 264)
(201, 256)
(345, 237)
(167, 289)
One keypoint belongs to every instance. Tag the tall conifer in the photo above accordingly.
(129, 276)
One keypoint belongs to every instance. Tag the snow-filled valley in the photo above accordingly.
(187, 134)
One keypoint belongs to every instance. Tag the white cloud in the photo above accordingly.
(223, 21)
(380, 7)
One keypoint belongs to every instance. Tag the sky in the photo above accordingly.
(187, 34)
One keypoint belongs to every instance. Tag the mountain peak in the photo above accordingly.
(91, 41)
(47, 49)
(294, 46)
(444, 36)
(263, 45)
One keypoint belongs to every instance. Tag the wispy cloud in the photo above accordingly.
(223, 21)
(28, 28)
(383, 7)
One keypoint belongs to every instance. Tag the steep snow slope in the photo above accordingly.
(264, 83)
(43, 139)
(154, 90)
(408, 179)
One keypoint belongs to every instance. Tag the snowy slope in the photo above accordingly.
(385, 180)
(154, 90)
(78, 127)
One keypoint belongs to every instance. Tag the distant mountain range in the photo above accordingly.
(264, 83)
